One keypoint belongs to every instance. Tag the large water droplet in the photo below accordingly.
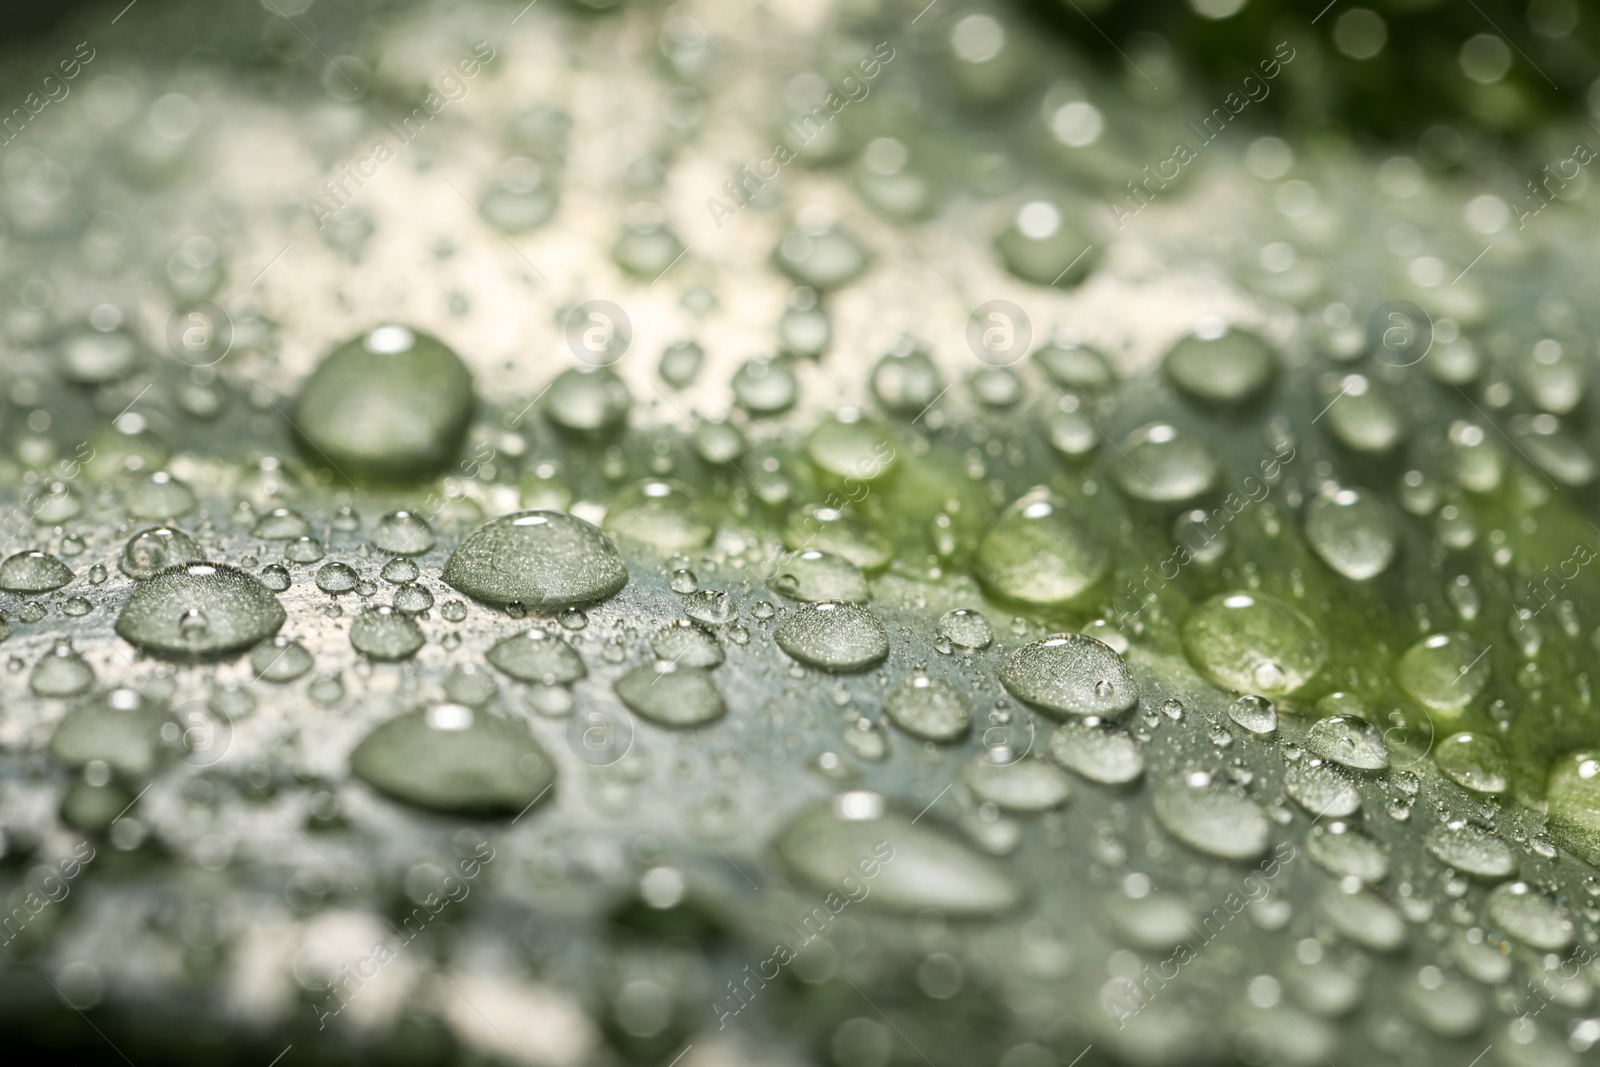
(1531, 915)
(1022, 785)
(1472, 850)
(61, 672)
(403, 533)
(386, 634)
(539, 559)
(156, 549)
(1473, 762)
(392, 405)
(119, 728)
(1349, 742)
(1321, 789)
(928, 708)
(238, 611)
(1443, 672)
(1159, 464)
(1213, 819)
(1574, 799)
(911, 866)
(859, 450)
(834, 636)
(539, 656)
(1230, 368)
(1098, 751)
(814, 576)
(1352, 532)
(1249, 642)
(280, 660)
(1040, 554)
(33, 571)
(452, 759)
(587, 400)
(671, 695)
(1347, 852)
(662, 515)
(1071, 674)
(966, 629)
(688, 645)
(1255, 714)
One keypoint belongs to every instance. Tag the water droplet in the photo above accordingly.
(1472, 850)
(1533, 916)
(1098, 751)
(1349, 742)
(392, 405)
(1231, 368)
(275, 577)
(1071, 674)
(303, 550)
(1473, 762)
(1321, 789)
(539, 656)
(815, 576)
(156, 549)
(661, 515)
(451, 759)
(1073, 366)
(765, 387)
(385, 634)
(1021, 785)
(928, 708)
(1041, 555)
(687, 645)
(413, 598)
(1352, 532)
(1443, 672)
(238, 610)
(680, 363)
(61, 672)
(279, 660)
(711, 606)
(1346, 852)
(820, 254)
(905, 381)
(540, 559)
(671, 695)
(1365, 919)
(281, 524)
(834, 636)
(1041, 246)
(120, 729)
(399, 571)
(1158, 463)
(587, 400)
(335, 578)
(838, 532)
(1213, 819)
(33, 571)
(159, 496)
(966, 629)
(1252, 643)
(403, 533)
(1255, 714)
(914, 866)
(469, 684)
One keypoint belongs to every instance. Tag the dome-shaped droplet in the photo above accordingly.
(1361, 414)
(281, 524)
(1041, 246)
(905, 381)
(1071, 674)
(680, 363)
(97, 357)
(1159, 464)
(815, 576)
(1073, 366)
(1213, 819)
(336, 578)
(928, 708)
(661, 515)
(1531, 915)
(238, 611)
(119, 728)
(966, 629)
(1255, 714)
(587, 400)
(1365, 919)
(859, 450)
(280, 660)
(1472, 850)
(839, 532)
(539, 559)
(671, 694)
(1040, 554)
(1025, 785)
(687, 645)
(61, 672)
(1321, 789)
(1574, 798)
(1443, 672)
(386, 634)
(912, 865)
(33, 571)
(1343, 850)
(391, 405)
(1352, 532)
(1248, 642)
(1350, 742)
(539, 656)
(1475, 762)
(765, 386)
(156, 549)
(820, 254)
(403, 533)
(834, 636)
(452, 759)
(1098, 751)
(1227, 368)
(159, 496)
